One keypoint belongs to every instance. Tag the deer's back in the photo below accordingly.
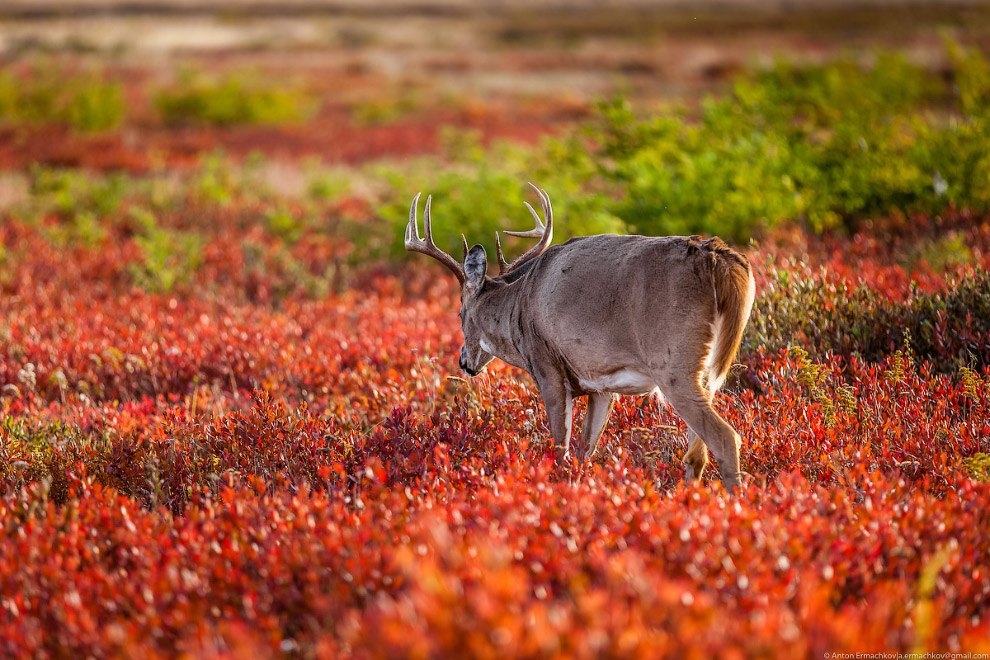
(611, 302)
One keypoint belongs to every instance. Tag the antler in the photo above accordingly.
(416, 244)
(542, 231)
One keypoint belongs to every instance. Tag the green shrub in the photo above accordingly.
(33, 98)
(168, 257)
(485, 191)
(940, 254)
(323, 185)
(214, 181)
(96, 107)
(970, 77)
(821, 145)
(718, 177)
(86, 102)
(199, 98)
(977, 466)
(385, 110)
(283, 223)
(83, 201)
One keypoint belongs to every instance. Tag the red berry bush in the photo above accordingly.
(225, 450)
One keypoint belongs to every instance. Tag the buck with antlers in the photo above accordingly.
(600, 316)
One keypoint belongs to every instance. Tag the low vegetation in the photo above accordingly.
(822, 147)
(201, 98)
(234, 425)
(86, 101)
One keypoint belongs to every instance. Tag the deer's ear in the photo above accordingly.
(475, 267)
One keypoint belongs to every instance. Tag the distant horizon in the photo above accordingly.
(41, 7)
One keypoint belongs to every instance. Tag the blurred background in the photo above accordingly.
(734, 117)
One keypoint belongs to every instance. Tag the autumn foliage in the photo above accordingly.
(233, 424)
(224, 470)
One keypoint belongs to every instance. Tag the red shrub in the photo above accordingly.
(238, 468)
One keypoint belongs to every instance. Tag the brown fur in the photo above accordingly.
(731, 273)
(600, 316)
(616, 314)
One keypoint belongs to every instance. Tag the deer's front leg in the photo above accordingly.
(558, 403)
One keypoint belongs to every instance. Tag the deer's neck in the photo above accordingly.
(504, 326)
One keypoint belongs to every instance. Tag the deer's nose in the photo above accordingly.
(466, 369)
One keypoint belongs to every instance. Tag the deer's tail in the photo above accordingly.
(734, 289)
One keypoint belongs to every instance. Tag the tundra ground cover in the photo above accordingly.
(234, 426)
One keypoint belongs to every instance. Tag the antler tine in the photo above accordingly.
(503, 265)
(412, 230)
(542, 231)
(545, 200)
(536, 232)
(427, 223)
(414, 243)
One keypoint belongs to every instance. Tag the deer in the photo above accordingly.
(608, 315)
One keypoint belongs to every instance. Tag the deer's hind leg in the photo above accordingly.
(693, 404)
(696, 457)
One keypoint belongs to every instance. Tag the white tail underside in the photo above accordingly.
(712, 379)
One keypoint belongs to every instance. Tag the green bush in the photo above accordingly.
(168, 257)
(86, 102)
(822, 145)
(94, 107)
(485, 190)
(717, 177)
(200, 98)
(69, 191)
(977, 466)
(85, 202)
